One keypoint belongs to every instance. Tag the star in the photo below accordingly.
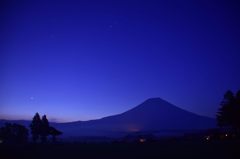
(31, 98)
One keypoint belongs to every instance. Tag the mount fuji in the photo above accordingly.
(153, 115)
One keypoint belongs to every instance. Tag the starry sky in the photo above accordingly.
(81, 60)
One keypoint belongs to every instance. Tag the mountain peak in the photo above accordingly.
(153, 105)
(156, 99)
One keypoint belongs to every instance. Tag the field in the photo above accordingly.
(117, 150)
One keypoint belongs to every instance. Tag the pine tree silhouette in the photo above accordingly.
(36, 127)
(44, 128)
(40, 129)
(229, 112)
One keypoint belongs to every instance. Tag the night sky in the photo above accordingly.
(81, 60)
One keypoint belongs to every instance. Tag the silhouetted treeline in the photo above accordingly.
(228, 115)
(40, 129)
(14, 133)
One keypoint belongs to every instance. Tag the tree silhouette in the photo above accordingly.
(229, 112)
(224, 115)
(40, 128)
(36, 127)
(54, 132)
(14, 133)
(237, 112)
(44, 128)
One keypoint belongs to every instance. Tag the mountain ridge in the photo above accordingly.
(154, 114)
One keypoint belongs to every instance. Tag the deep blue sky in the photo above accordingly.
(80, 60)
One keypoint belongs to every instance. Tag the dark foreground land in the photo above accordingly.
(160, 149)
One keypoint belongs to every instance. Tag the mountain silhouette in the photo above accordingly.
(153, 115)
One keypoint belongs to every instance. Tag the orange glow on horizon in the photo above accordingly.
(133, 129)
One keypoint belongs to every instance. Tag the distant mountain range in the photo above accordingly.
(155, 115)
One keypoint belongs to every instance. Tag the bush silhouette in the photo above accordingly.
(14, 133)
(54, 132)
